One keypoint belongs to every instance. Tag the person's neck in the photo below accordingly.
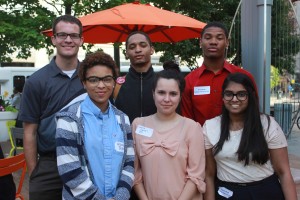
(236, 122)
(165, 118)
(66, 64)
(141, 68)
(214, 65)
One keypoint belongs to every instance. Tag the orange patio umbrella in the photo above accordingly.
(114, 24)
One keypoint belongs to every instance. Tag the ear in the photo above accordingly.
(82, 40)
(84, 85)
(53, 40)
(227, 43)
(152, 50)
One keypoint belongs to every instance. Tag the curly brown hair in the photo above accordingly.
(93, 59)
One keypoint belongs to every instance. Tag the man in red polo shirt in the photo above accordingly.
(202, 97)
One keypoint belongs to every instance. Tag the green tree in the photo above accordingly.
(285, 41)
(275, 77)
(22, 21)
(20, 25)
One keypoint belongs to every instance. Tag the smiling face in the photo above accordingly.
(139, 52)
(67, 48)
(236, 106)
(213, 43)
(99, 91)
(166, 96)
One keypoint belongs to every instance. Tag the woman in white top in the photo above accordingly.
(246, 151)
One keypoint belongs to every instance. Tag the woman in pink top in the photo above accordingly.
(170, 159)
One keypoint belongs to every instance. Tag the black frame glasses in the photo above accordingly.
(63, 36)
(106, 80)
(241, 95)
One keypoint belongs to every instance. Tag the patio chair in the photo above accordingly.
(13, 164)
(15, 136)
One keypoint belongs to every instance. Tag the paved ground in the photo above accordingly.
(293, 149)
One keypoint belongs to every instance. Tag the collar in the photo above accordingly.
(94, 110)
(136, 74)
(55, 70)
(226, 66)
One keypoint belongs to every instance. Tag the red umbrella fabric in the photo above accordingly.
(114, 24)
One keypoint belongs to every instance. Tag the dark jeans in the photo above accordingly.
(133, 196)
(44, 181)
(266, 189)
(7, 188)
(7, 184)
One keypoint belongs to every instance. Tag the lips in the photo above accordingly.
(235, 105)
(102, 93)
(212, 49)
(138, 57)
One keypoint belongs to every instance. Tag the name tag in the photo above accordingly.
(142, 130)
(119, 146)
(224, 192)
(201, 90)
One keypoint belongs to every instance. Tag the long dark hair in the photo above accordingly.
(253, 144)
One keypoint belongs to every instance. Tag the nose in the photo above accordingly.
(213, 40)
(101, 84)
(68, 38)
(138, 48)
(167, 97)
(234, 98)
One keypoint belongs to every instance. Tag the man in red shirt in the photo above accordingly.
(202, 97)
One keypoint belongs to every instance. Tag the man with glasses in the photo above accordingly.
(46, 92)
(202, 97)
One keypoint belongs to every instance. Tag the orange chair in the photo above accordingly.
(13, 164)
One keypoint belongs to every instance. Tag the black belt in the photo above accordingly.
(266, 180)
(50, 154)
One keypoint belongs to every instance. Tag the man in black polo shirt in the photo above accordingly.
(46, 92)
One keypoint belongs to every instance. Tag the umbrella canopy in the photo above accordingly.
(114, 24)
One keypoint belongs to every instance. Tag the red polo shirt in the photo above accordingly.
(202, 97)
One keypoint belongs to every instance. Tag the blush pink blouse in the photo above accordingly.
(166, 160)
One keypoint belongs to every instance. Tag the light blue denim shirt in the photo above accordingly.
(104, 144)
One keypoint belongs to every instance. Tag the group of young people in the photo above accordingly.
(91, 135)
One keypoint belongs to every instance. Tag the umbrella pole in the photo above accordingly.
(117, 54)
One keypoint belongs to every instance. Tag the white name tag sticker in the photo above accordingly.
(201, 90)
(224, 192)
(119, 146)
(142, 130)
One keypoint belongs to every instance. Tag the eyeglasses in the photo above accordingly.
(63, 36)
(241, 95)
(106, 80)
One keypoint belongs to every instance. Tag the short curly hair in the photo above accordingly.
(93, 59)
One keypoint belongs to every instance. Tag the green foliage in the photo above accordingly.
(5, 106)
(189, 50)
(20, 26)
(11, 109)
(22, 21)
(285, 41)
(275, 77)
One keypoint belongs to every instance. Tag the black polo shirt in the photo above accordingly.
(45, 93)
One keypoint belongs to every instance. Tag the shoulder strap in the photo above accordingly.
(118, 85)
(116, 91)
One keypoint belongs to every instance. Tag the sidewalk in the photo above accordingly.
(293, 150)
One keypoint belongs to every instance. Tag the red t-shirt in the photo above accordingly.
(202, 97)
